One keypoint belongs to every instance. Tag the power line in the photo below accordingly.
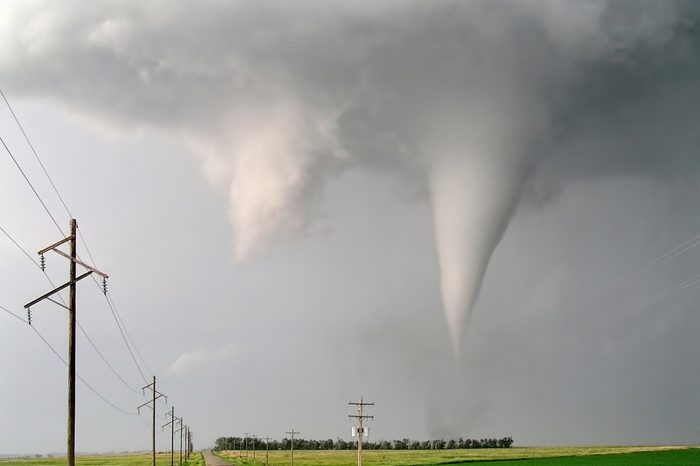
(92, 343)
(126, 330)
(14, 315)
(124, 338)
(19, 167)
(65, 206)
(53, 350)
(31, 146)
(667, 256)
(20, 247)
(126, 384)
(665, 294)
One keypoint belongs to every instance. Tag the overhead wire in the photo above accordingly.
(665, 257)
(90, 387)
(665, 294)
(43, 168)
(9, 152)
(112, 306)
(92, 343)
(81, 236)
(31, 146)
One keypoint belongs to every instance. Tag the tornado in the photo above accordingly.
(473, 198)
(478, 161)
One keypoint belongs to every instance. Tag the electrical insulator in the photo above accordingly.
(104, 285)
(42, 259)
(29, 316)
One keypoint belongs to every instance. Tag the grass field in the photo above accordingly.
(102, 460)
(546, 456)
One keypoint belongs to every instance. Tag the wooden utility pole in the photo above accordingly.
(245, 437)
(71, 345)
(71, 285)
(187, 444)
(267, 450)
(172, 434)
(360, 416)
(253, 437)
(292, 433)
(182, 432)
(156, 395)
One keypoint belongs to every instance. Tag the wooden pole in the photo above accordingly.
(292, 432)
(267, 450)
(172, 436)
(154, 420)
(71, 346)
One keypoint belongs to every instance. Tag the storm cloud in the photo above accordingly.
(498, 114)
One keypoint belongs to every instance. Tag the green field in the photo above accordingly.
(545, 456)
(102, 460)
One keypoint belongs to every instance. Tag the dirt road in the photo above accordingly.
(211, 459)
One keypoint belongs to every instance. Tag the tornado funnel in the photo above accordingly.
(473, 197)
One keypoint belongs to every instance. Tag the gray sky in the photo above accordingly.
(260, 182)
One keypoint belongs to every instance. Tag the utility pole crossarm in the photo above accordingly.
(56, 244)
(56, 290)
(148, 403)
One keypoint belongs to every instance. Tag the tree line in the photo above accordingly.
(238, 443)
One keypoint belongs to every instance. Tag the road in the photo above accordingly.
(211, 459)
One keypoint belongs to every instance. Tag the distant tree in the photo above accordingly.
(341, 444)
(451, 444)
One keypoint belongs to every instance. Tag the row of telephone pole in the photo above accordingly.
(185, 433)
(73, 279)
(360, 430)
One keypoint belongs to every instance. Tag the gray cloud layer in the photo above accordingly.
(481, 107)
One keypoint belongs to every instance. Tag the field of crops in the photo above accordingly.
(105, 460)
(546, 456)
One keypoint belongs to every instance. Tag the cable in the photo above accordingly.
(92, 389)
(31, 146)
(13, 314)
(92, 343)
(105, 360)
(31, 185)
(65, 206)
(678, 250)
(665, 294)
(81, 379)
(114, 306)
(110, 303)
(125, 342)
(20, 247)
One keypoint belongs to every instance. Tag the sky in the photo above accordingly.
(453, 209)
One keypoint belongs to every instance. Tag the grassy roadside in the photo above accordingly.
(137, 459)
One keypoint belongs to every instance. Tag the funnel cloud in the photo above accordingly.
(463, 100)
